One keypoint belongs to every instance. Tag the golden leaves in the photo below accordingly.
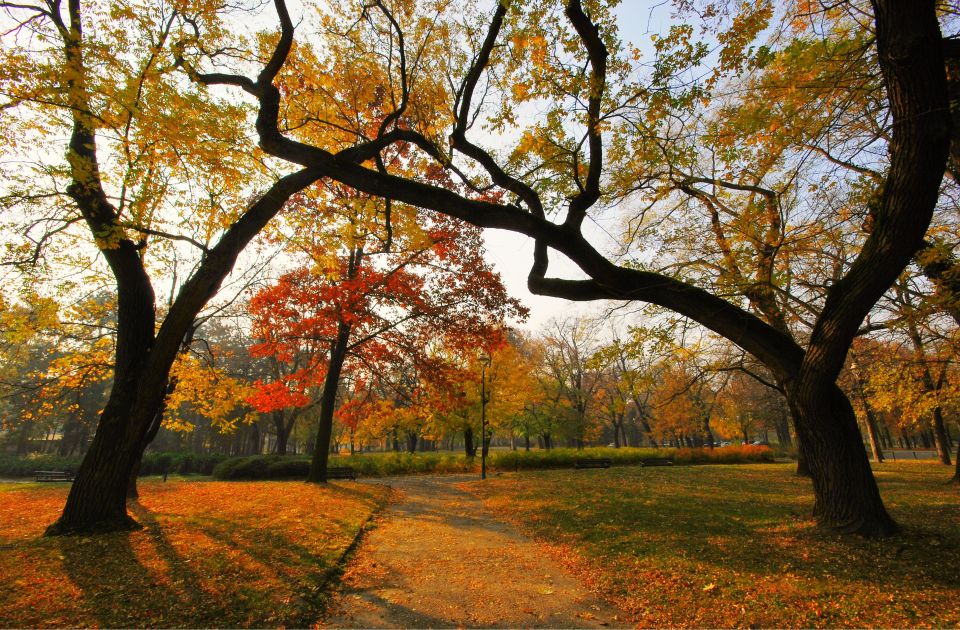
(209, 392)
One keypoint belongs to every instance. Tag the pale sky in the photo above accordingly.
(512, 254)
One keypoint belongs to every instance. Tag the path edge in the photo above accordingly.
(322, 594)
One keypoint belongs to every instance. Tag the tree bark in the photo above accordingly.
(847, 497)
(468, 446)
(328, 401)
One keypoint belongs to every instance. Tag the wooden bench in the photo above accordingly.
(656, 461)
(591, 463)
(53, 475)
(341, 472)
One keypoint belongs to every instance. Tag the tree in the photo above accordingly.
(910, 56)
(107, 74)
(635, 365)
(365, 307)
(570, 344)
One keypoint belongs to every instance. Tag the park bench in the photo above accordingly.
(656, 461)
(591, 463)
(53, 475)
(341, 472)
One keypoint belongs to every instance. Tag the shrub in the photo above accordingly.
(182, 463)
(152, 464)
(13, 466)
(288, 468)
(565, 457)
(391, 464)
(725, 455)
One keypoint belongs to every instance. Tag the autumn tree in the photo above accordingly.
(570, 345)
(572, 60)
(362, 306)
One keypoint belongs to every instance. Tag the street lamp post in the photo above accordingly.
(484, 363)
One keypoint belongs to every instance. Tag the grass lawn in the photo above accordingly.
(721, 546)
(210, 554)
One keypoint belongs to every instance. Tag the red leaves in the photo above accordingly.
(433, 290)
(275, 396)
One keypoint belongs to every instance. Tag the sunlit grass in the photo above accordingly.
(210, 554)
(735, 546)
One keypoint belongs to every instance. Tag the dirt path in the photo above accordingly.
(439, 559)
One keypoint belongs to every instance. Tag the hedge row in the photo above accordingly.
(153, 464)
(391, 464)
(370, 465)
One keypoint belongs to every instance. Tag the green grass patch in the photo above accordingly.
(726, 546)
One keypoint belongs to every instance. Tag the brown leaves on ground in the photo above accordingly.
(733, 546)
(210, 554)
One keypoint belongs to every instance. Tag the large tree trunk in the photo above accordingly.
(97, 499)
(328, 401)
(846, 495)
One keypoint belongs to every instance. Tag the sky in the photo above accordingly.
(512, 254)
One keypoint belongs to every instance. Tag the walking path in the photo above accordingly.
(437, 558)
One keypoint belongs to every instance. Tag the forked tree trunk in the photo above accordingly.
(98, 497)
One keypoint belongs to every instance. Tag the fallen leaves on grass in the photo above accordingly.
(210, 554)
(729, 546)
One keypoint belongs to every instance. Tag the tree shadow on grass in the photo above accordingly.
(750, 523)
(309, 574)
(120, 591)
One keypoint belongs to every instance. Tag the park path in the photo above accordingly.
(438, 559)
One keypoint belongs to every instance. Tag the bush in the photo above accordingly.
(13, 466)
(288, 468)
(263, 467)
(391, 464)
(152, 464)
(565, 457)
(182, 463)
(395, 464)
(726, 455)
